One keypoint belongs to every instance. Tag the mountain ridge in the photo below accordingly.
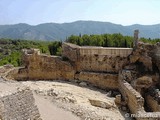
(59, 31)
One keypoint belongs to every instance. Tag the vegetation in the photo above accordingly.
(150, 41)
(56, 31)
(105, 40)
(10, 50)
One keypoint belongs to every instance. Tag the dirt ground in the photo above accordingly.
(59, 100)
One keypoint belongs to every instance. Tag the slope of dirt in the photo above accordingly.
(73, 98)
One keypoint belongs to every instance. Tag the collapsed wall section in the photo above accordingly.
(135, 101)
(17, 103)
(45, 67)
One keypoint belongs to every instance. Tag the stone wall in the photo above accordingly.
(101, 80)
(44, 67)
(84, 61)
(70, 51)
(133, 98)
(105, 51)
(135, 102)
(18, 103)
(99, 59)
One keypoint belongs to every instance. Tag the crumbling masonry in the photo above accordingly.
(134, 72)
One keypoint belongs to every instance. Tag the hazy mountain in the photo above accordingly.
(55, 31)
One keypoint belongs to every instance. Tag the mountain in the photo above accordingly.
(56, 31)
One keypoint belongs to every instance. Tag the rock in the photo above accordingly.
(143, 82)
(83, 84)
(128, 75)
(142, 55)
(102, 104)
(8, 66)
(109, 94)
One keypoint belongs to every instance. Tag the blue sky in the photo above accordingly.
(125, 12)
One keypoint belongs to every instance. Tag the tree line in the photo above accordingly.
(105, 40)
(10, 50)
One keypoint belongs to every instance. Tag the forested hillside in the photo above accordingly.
(55, 31)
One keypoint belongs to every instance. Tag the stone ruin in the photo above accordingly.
(18, 103)
(133, 72)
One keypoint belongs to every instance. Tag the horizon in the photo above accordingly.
(122, 12)
(82, 21)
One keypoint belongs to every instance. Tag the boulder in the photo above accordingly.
(143, 82)
(102, 104)
(83, 84)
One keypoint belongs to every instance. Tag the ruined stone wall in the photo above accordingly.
(99, 59)
(101, 80)
(43, 67)
(99, 63)
(133, 98)
(70, 51)
(135, 102)
(17, 104)
(109, 51)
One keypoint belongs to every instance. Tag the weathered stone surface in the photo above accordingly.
(101, 80)
(102, 104)
(84, 84)
(143, 82)
(42, 67)
(97, 59)
(17, 103)
(128, 75)
(141, 55)
(133, 98)
(153, 104)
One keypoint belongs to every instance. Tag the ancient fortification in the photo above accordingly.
(134, 72)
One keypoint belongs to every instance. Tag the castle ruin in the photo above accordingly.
(133, 72)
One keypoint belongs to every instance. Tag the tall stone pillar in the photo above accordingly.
(135, 42)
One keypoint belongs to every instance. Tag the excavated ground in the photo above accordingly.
(59, 100)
